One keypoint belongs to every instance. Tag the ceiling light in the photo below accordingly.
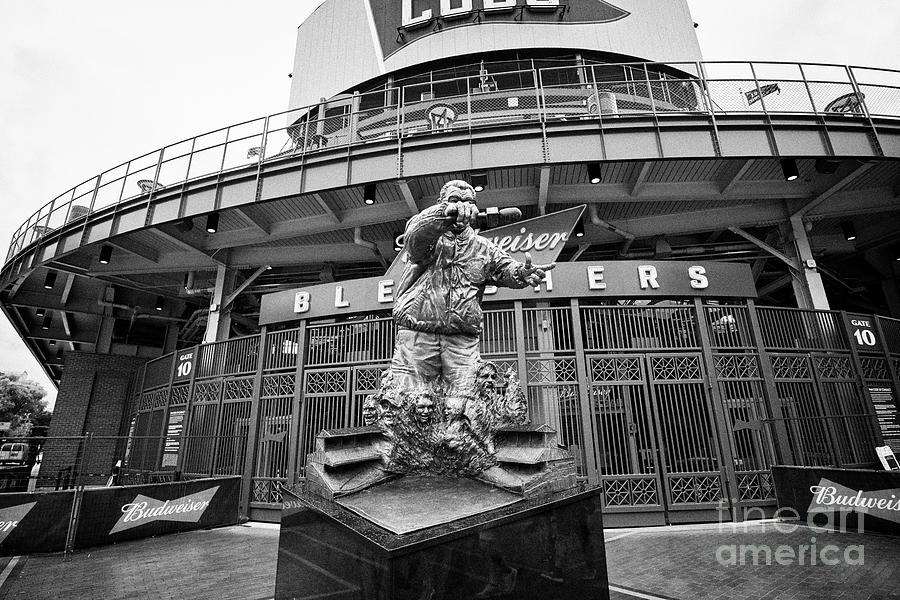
(479, 181)
(398, 241)
(160, 303)
(579, 228)
(47, 320)
(105, 254)
(369, 192)
(849, 230)
(595, 175)
(789, 168)
(212, 222)
(39, 313)
(50, 280)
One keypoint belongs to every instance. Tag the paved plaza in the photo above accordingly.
(686, 563)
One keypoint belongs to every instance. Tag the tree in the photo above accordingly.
(22, 403)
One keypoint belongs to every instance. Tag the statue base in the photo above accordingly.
(433, 538)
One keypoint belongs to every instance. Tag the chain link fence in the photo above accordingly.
(35, 464)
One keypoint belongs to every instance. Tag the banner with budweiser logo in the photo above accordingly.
(858, 499)
(38, 522)
(110, 515)
(35, 522)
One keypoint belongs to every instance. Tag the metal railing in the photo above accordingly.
(461, 105)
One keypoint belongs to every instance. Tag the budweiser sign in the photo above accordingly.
(543, 237)
(144, 510)
(829, 495)
(10, 518)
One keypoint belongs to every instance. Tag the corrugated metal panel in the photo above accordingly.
(287, 209)
(160, 244)
(576, 173)
(769, 169)
(344, 236)
(632, 210)
(883, 174)
(382, 231)
(682, 171)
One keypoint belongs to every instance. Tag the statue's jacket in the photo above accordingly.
(443, 282)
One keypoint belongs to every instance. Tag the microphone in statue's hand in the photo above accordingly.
(492, 217)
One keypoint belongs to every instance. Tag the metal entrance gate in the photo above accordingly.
(657, 447)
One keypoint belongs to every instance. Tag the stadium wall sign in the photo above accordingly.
(612, 279)
(400, 22)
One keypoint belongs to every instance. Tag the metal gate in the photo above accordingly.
(825, 414)
(657, 445)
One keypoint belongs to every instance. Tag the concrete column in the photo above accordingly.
(813, 291)
(218, 325)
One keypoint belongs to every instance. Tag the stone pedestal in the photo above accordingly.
(434, 538)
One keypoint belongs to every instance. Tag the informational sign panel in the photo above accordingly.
(184, 364)
(613, 279)
(863, 333)
(174, 427)
(885, 403)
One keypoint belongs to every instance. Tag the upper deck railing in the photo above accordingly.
(573, 93)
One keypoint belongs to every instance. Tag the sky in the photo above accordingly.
(87, 85)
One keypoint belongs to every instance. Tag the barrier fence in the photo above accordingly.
(491, 99)
(665, 406)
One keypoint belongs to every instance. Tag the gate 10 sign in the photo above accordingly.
(863, 333)
(184, 364)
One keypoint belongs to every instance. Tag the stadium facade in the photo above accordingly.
(727, 299)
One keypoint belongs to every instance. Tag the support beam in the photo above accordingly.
(66, 323)
(259, 225)
(136, 248)
(330, 209)
(543, 189)
(774, 252)
(735, 176)
(640, 180)
(67, 289)
(189, 245)
(408, 197)
(774, 286)
(831, 191)
(229, 300)
(580, 251)
(218, 325)
(812, 280)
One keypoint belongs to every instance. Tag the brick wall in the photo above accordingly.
(93, 394)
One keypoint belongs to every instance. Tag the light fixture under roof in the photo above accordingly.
(848, 230)
(579, 229)
(789, 168)
(370, 191)
(479, 181)
(212, 222)
(105, 254)
(160, 303)
(50, 280)
(48, 319)
(595, 174)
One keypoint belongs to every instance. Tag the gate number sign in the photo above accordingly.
(184, 365)
(862, 330)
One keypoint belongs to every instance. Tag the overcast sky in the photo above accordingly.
(89, 84)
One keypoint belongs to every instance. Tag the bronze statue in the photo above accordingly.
(441, 408)
(438, 302)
